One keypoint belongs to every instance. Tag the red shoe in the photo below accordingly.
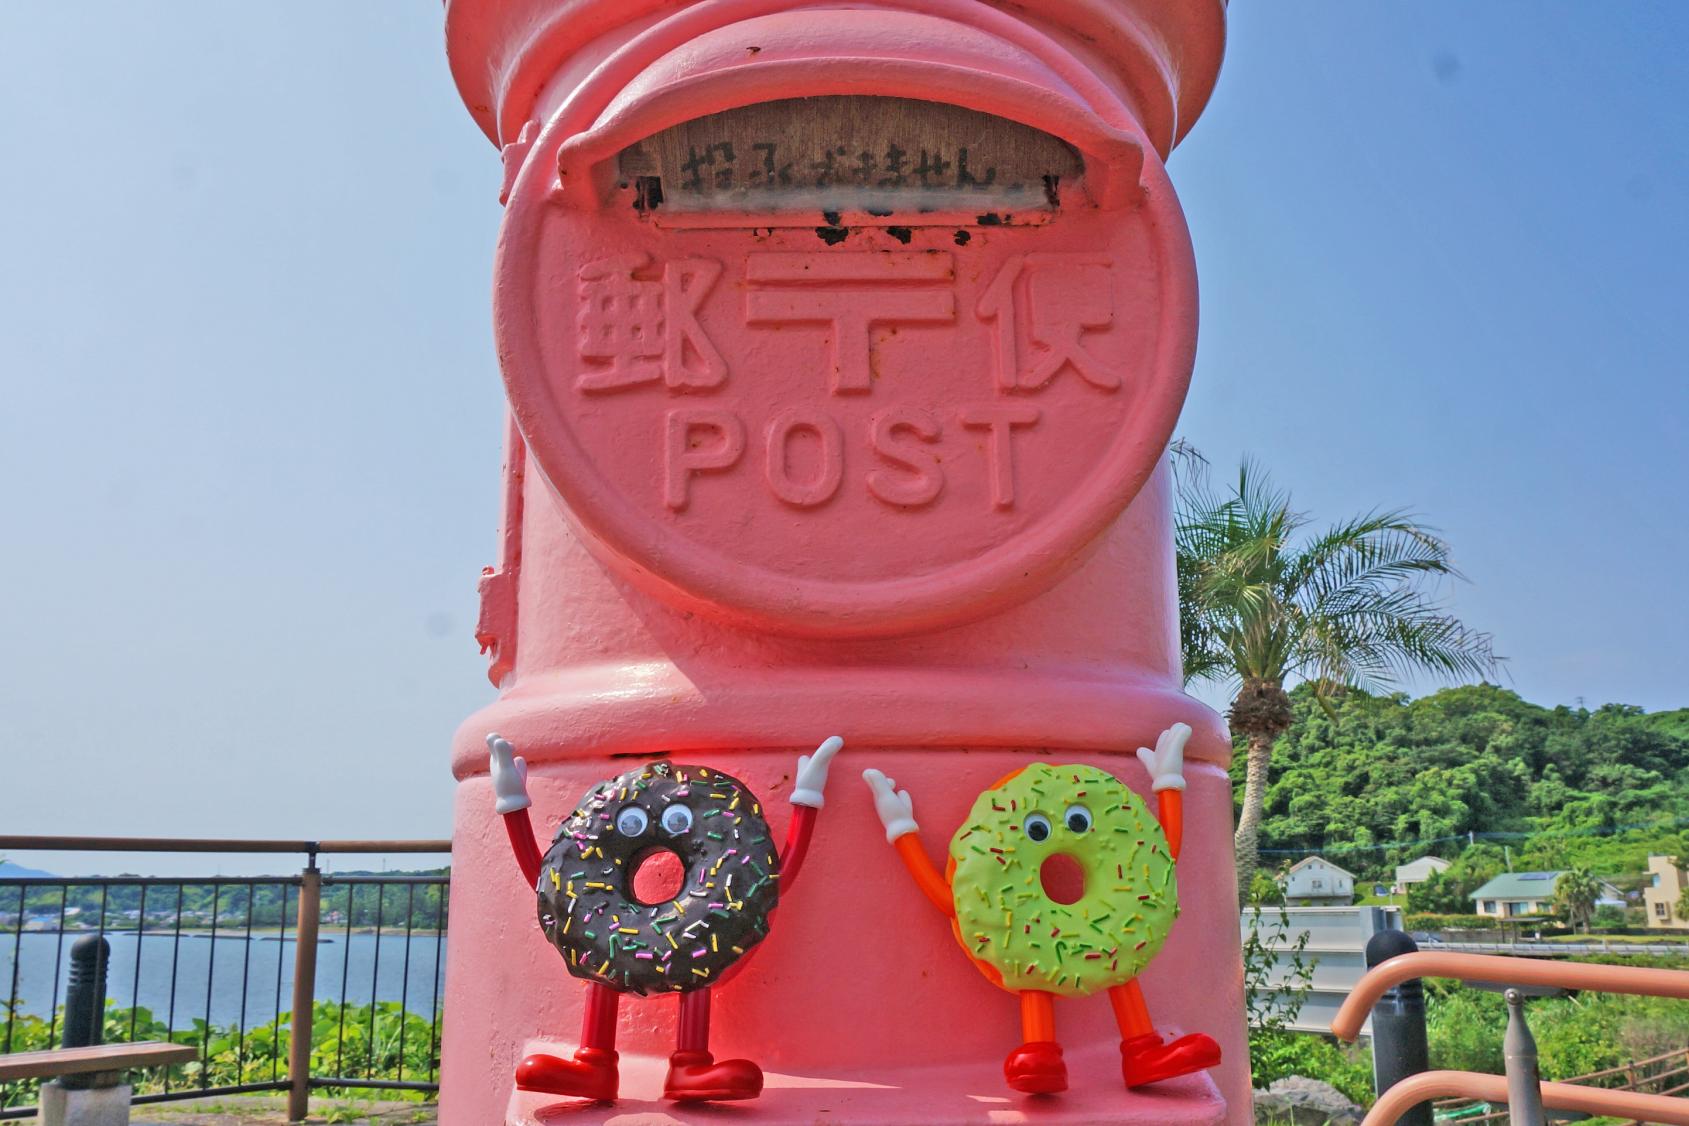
(1145, 1059)
(590, 1075)
(695, 1077)
(1036, 1068)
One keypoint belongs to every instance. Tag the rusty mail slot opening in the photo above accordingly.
(877, 158)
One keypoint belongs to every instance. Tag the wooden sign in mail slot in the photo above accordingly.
(850, 153)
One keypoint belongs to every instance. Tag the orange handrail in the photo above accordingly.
(1415, 1089)
(1499, 970)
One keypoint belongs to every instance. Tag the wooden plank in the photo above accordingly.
(100, 1057)
(850, 152)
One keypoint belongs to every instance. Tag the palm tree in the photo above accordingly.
(1575, 893)
(1262, 603)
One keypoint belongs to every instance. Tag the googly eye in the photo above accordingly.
(631, 821)
(1077, 819)
(677, 819)
(1037, 827)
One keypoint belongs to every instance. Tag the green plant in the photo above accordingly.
(380, 1041)
(1348, 1067)
(1277, 975)
(1575, 893)
(1261, 604)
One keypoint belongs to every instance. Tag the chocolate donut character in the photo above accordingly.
(589, 908)
(709, 820)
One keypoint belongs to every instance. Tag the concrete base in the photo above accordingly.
(961, 1095)
(100, 1106)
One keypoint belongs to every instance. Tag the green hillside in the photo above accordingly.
(1391, 778)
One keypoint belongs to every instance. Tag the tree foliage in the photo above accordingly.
(1265, 602)
(1377, 780)
(1575, 893)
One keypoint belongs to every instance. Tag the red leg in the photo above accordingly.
(591, 1074)
(1036, 1067)
(1144, 1058)
(694, 1075)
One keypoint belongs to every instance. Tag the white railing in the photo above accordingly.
(1336, 950)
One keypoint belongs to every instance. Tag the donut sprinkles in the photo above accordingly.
(713, 823)
(1018, 935)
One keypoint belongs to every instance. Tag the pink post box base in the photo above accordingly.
(935, 1096)
(860, 1003)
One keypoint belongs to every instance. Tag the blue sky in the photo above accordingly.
(251, 420)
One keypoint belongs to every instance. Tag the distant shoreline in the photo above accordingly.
(262, 934)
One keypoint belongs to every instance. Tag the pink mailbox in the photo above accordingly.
(843, 344)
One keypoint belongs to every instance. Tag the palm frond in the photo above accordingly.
(1347, 606)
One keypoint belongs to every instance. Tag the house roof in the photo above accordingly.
(1519, 885)
(1306, 860)
(1434, 861)
(1535, 885)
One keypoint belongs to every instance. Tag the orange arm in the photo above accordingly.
(934, 886)
(1170, 805)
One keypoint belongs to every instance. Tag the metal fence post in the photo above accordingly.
(304, 991)
(1524, 1081)
(1399, 1047)
(85, 1008)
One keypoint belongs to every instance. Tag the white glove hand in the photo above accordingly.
(1166, 764)
(809, 788)
(895, 807)
(510, 776)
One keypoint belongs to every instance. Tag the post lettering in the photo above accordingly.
(1000, 419)
(689, 448)
(920, 478)
(829, 470)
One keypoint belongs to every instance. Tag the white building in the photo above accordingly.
(1418, 871)
(1316, 882)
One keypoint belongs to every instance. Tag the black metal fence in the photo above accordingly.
(285, 983)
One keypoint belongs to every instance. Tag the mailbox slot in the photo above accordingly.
(773, 80)
(861, 160)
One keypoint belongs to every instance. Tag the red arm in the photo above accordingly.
(808, 794)
(509, 776)
(520, 828)
(802, 827)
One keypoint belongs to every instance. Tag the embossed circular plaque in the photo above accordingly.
(845, 428)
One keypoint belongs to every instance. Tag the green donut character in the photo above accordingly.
(1006, 920)
(1041, 932)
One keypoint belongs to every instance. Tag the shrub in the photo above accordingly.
(1427, 922)
(1276, 1054)
(227, 1060)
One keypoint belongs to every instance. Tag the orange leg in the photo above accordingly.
(1037, 1016)
(1036, 1066)
(1130, 1011)
(1144, 1058)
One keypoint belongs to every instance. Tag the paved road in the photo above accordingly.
(1557, 949)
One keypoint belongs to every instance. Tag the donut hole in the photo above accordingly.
(1062, 877)
(658, 876)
